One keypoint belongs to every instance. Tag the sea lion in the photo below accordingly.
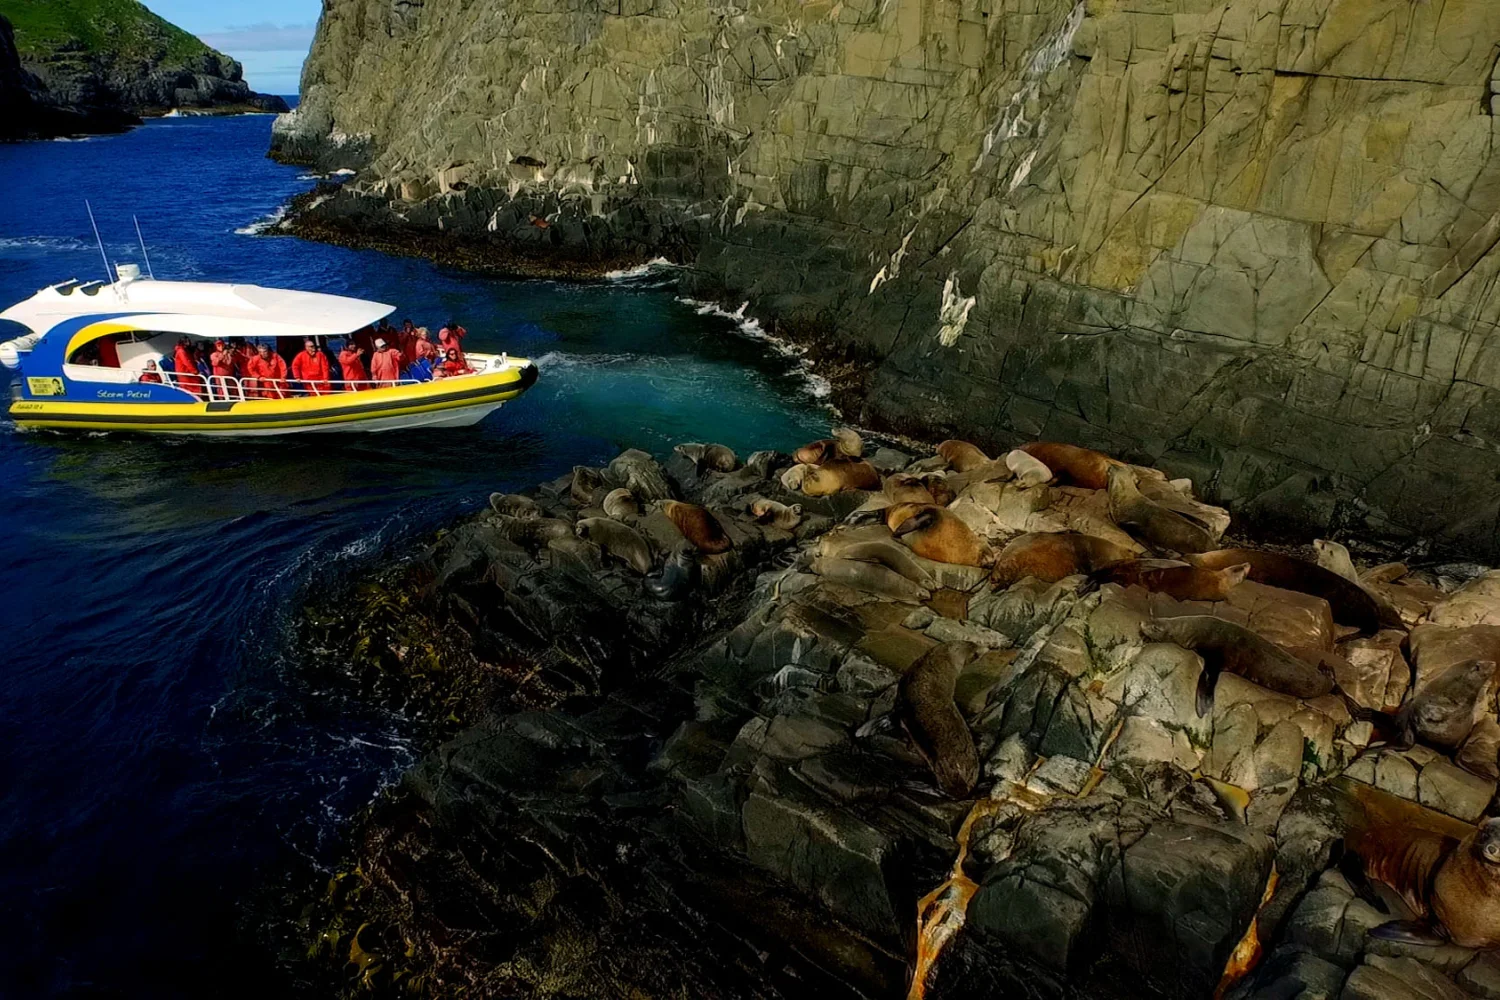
(1177, 580)
(621, 504)
(936, 533)
(514, 505)
(937, 485)
(1227, 646)
(962, 456)
(884, 551)
(619, 540)
(1051, 555)
(1073, 466)
(793, 477)
(840, 475)
(1444, 710)
(1335, 558)
(698, 526)
(1028, 470)
(1350, 604)
(586, 482)
(926, 709)
(1163, 528)
(776, 514)
(1446, 872)
(904, 488)
(534, 532)
(678, 577)
(844, 444)
(870, 577)
(714, 457)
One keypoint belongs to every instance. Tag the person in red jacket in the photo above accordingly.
(355, 376)
(186, 367)
(451, 337)
(453, 364)
(152, 373)
(423, 347)
(221, 365)
(385, 364)
(311, 369)
(267, 371)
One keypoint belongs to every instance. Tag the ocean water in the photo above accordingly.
(161, 755)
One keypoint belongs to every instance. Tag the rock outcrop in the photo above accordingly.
(1253, 238)
(98, 66)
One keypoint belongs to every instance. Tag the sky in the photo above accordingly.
(269, 37)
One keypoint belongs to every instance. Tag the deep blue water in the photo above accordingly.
(160, 756)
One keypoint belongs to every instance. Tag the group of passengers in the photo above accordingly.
(371, 358)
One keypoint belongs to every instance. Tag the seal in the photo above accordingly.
(621, 504)
(937, 485)
(514, 505)
(926, 709)
(1051, 555)
(1159, 526)
(678, 576)
(698, 526)
(1335, 558)
(709, 457)
(1073, 466)
(938, 534)
(778, 515)
(962, 456)
(586, 483)
(884, 551)
(870, 577)
(844, 444)
(1350, 603)
(793, 477)
(1028, 470)
(534, 532)
(1227, 646)
(1444, 710)
(1179, 581)
(619, 540)
(838, 476)
(904, 488)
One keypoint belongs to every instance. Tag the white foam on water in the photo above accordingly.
(649, 269)
(262, 225)
(748, 326)
(42, 243)
(342, 172)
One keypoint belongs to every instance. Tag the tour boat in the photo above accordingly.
(90, 344)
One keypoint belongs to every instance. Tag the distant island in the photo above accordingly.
(72, 67)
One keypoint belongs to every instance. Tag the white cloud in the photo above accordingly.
(261, 38)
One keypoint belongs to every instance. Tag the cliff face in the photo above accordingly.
(1252, 241)
(98, 65)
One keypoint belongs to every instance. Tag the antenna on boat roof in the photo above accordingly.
(149, 273)
(108, 277)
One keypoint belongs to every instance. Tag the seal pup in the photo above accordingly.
(710, 457)
(619, 540)
(1350, 603)
(514, 505)
(884, 551)
(793, 477)
(838, 476)
(1051, 555)
(679, 575)
(870, 577)
(698, 526)
(1074, 466)
(778, 515)
(1028, 470)
(1335, 558)
(1227, 646)
(586, 482)
(937, 484)
(938, 534)
(926, 710)
(843, 444)
(621, 504)
(1179, 581)
(1164, 528)
(962, 456)
(902, 487)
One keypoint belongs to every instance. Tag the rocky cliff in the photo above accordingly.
(1251, 241)
(83, 66)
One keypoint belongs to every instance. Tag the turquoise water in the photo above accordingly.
(161, 757)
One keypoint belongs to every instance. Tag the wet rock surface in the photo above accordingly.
(726, 782)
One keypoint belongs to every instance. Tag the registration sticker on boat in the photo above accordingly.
(47, 385)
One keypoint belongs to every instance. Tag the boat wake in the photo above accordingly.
(750, 327)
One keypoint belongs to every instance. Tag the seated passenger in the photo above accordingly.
(267, 371)
(354, 367)
(151, 374)
(311, 369)
(451, 336)
(185, 364)
(453, 364)
(385, 364)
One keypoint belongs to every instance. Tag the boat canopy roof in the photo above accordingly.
(195, 308)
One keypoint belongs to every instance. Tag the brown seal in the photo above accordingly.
(871, 577)
(925, 707)
(937, 485)
(1051, 555)
(936, 533)
(1179, 581)
(778, 515)
(514, 505)
(619, 540)
(713, 457)
(586, 482)
(621, 504)
(1446, 708)
(1227, 646)
(1350, 603)
(533, 532)
(1073, 466)
(698, 526)
(838, 476)
(844, 444)
(885, 551)
(1163, 528)
(962, 456)
(905, 488)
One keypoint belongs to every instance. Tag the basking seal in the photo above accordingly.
(1350, 604)
(1444, 711)
(534, 532)
(1335, 558)
(962, 456)
(714, 457)
(840, 475)
(902, 487)
(678, 576)
(844, 443)
(1051, 555)
(1073, 466)
(698, 526)
(1227, 646)
(620, 504)
(937, 484)
(619, 540)
(884, 551)
(1028, 470)
(936, 533)
(1179, 581)
(1164, 528)
(926, 709)
(778, 515)
(793, 477)
(586, 483)
(514, 505)
(870, 577)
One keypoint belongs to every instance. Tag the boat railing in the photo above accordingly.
(230, 388)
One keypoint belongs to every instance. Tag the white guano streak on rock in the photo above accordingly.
(953, 312)
(893, 269)
(1011, 122)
